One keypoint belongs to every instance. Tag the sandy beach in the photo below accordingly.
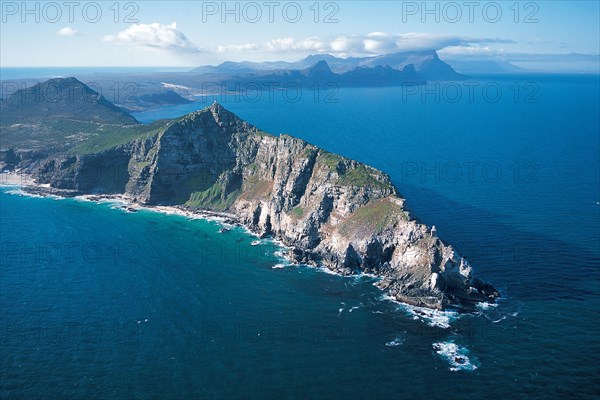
(16, 179)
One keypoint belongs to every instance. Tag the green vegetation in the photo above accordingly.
(253, 167)
(330, 160)
(260, 189)
(139, 164)
(76, 137)
(360, 176)
(309, 152)
(372, 218)
(193, 182)
(297, 212)
(214, 198)
(106, 137)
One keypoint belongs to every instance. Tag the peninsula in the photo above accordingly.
(330, 210)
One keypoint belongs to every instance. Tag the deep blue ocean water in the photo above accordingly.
(100, 303)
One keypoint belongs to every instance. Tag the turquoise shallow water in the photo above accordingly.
(100, 303)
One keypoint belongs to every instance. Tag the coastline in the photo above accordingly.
(29, 187)
(456, 356)
(16, 178)
(440, 319)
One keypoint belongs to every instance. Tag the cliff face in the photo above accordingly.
(330, 210)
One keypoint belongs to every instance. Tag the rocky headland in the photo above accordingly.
(329, 210)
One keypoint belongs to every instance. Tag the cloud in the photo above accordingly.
(357, 45)
(155, 36)
(472, 51)
(68, 31)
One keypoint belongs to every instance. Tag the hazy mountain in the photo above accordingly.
(65, 99)
(426, 63)
(487, 67)
(322, 75)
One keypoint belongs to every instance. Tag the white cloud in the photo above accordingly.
(472, 51)
(68, 31)
(155, 36)
(357, 45)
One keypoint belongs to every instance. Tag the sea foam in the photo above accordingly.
(457, 356)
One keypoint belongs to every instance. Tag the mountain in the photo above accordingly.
(329, 210)
(338, 65)
(381, 76)
(158, 98)
(231, 67)
(488, 67)
(61, 113)
(65, 99)
(321, 75)
(434, 69)
(427, 64)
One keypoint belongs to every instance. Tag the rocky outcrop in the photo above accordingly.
(329, 210)
(104, 172)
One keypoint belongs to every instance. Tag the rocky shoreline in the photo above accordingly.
(329, 210)
(28, 185)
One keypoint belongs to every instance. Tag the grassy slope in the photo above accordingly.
(75, 137)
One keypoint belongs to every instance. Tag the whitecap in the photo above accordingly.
(21, 192)
(327, 271)
(484, 306)
(434, 318)
(457, 356)
(395, 342)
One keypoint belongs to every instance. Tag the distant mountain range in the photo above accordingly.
(320, 74)
(142, 91)
(383, 70)
(487, 67)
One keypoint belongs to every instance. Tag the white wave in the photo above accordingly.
(328, 271)
(485, 306)
(386, 297)
(395, 342)
(457, 356)
(21, 192)
(279, 253)
(434, 318)
(364, 277)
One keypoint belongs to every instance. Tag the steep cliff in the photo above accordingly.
(330, 210)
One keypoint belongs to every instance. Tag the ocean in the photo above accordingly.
(97, 302)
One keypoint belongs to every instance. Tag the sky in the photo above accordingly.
(550, 35)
